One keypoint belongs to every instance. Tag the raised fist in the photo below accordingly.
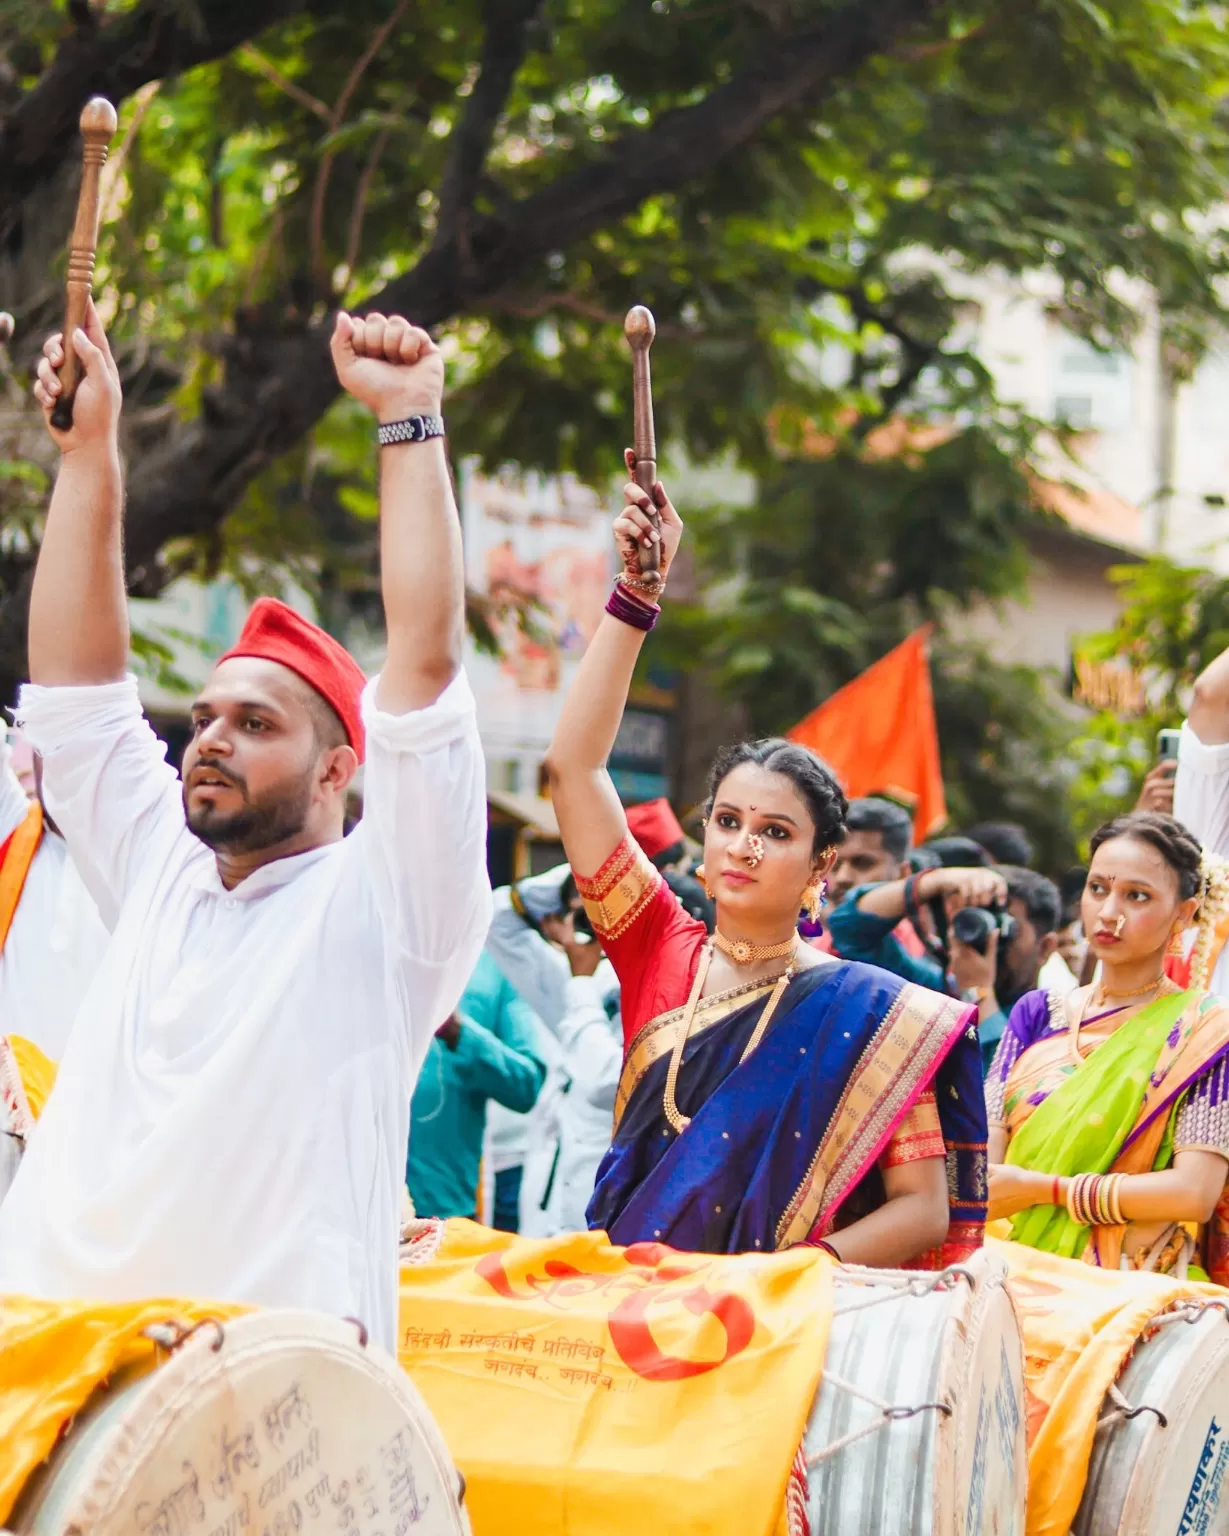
(393, 367)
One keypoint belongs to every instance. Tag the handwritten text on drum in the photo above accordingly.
(1204, 1498)
(269, 1479)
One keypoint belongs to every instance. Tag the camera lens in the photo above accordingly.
(973, 926)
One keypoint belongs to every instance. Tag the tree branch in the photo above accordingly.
(156, 39)
(289, 87)
(325, 170)
(503, 49)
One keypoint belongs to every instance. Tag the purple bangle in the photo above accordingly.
(622, 606)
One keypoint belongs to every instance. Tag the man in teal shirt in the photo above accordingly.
(485, 1051)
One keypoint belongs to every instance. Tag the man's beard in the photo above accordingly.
(258, 824)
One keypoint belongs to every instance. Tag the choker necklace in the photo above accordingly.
(743, 952)
(1149, 986)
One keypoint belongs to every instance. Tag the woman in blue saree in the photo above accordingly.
(770, 1095)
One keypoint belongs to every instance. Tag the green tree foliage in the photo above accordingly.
(767, 174)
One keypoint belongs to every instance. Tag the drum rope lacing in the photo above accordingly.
(891, 1413)
(1189, 1312)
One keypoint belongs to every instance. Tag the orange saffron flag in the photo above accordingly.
(878, 734)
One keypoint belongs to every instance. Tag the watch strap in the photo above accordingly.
(414, 429)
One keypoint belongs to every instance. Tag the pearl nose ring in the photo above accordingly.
(756, 844)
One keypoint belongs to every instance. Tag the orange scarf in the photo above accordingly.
(16, 856)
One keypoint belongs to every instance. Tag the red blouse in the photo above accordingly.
(654, 946)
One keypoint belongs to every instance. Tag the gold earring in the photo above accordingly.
(703, 881)
(1176, 947)
(815, 899)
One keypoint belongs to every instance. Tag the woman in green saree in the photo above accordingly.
(1109, 1109)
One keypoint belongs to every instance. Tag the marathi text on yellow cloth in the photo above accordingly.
(1080, 1324)
(52, 1357)
(587, 1390)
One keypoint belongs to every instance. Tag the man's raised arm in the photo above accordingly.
(396, 370)
(78, 606)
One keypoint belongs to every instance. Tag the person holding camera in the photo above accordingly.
(987, 933)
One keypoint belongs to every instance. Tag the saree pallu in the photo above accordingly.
(1115, 1112)
(785, 1144)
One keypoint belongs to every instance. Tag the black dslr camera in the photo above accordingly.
(974, 925)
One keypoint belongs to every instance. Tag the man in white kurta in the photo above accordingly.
(1201, 787)
(232, 1112)
(56, 938)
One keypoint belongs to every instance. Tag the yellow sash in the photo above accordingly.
(22, 847)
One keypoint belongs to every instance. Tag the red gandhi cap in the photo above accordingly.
(277, 633)
(654, 826)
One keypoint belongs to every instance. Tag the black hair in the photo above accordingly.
(1071, 888)
(1180, 850)
(669, 856)
(1040, 896)
(892, 822)
(692, 898)
(813, 779)
(959, 853)
(326, 722)
(1005, 841)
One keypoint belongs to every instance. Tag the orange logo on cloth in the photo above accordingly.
(578, 1384)
(628, 1321)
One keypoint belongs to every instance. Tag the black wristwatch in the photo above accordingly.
(414, 429)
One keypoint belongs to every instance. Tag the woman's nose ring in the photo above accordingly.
(755, 845)
(1120, 922)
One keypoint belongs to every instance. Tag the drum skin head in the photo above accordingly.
(983, 1378)
(1152, 1479)
(276, 1422)
(920, 1343)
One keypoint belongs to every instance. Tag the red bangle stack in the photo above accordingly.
(630, 609)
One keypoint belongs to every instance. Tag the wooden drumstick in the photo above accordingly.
(640, 329)
(98, 125)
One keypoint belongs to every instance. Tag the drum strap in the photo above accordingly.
(16, 855)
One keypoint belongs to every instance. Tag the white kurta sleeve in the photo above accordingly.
(1201, 791)
(106, 782)
(422, 841)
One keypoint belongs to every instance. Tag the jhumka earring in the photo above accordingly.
(703, 881)
(814, 900)
(1176, 946)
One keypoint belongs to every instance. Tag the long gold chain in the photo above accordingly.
(678, 1121)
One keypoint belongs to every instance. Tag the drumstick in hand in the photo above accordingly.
(640, 329)
(98, 125)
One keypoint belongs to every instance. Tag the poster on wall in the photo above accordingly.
(540, 546)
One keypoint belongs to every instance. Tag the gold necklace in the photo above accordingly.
(743, 952)
(679, 1122)
(1076, 1017)
(1149, 986)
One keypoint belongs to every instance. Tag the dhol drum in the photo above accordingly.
(264, 1425)
(1160, 1461)
(918, 1428)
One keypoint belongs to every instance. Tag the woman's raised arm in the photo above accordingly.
(591, 819)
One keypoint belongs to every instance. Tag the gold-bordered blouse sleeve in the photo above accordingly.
(620, 891)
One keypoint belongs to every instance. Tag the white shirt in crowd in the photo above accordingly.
(56, 938)
(231, 1118)
(1201, 803)
(567, 1133)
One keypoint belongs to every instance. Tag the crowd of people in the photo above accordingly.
(268, 1025)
